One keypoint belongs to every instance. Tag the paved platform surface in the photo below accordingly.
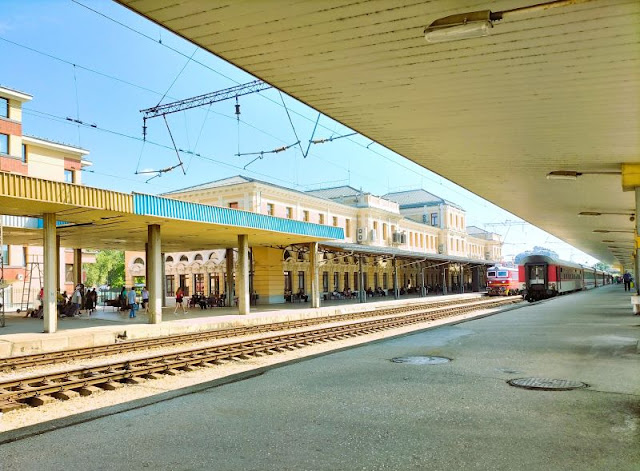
(355, 409)
(23, 335)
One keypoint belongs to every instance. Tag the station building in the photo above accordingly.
(42, 158)
(416, 234)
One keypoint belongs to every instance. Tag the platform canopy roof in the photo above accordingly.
(547, 90)
(101, 219)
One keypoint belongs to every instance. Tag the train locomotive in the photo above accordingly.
(503, 281)
(545, 277)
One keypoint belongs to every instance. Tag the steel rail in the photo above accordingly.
(18, 392)
(40, 359)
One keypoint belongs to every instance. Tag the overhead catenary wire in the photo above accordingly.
(267, 98)
(139, 139)
(75, 83)
(463, 195)
(211, 69)
(262, 153)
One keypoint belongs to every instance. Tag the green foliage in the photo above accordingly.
(536, 251)
(602, 266)
(108, 269)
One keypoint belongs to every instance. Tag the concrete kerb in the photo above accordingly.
(45, 427)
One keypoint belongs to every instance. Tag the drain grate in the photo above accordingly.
(546, 384)
(421, 360)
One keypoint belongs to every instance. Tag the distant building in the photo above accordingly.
(405, 225)
(35, 157)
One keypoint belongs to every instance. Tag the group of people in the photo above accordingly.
(69, 306)
(299, 296)
(128, 300)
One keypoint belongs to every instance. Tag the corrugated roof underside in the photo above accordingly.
(550, 90)
(148, 205)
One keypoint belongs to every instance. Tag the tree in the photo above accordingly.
(107, 270)
(602, 266)
(537, 250)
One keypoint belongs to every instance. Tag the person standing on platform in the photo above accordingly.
(179, 300)
(145, 299)
(76, 300)
(627, 281)
(132, 302)
(123, 299)
(94, 300)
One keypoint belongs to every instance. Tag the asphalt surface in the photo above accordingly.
(357, 410)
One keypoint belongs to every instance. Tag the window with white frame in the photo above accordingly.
(4, 108)
(4, 143)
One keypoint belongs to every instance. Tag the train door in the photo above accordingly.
(536, 278)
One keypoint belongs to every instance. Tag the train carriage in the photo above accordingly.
(545, 277)
(590, 278)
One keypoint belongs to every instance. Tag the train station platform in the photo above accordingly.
(357, 409)
(107, 325)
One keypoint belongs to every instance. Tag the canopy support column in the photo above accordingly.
(154, 280)
(475, 279)
(396, 289)
(363, 290)
(444, 280)
(313, 267)
(164, 278)
(242, 286)
(58, 286)
(51, 254)
(77, 267)
(637, 259)
(631, 182)
(229, 288)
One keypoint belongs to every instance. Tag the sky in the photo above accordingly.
(99, 64)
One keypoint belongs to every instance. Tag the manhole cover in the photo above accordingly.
(422, 360)
(546, 384)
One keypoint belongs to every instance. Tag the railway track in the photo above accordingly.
(41, 389)
(41, 359)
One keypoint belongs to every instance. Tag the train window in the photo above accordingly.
(491, 273)
(536, 274)
(502, 273)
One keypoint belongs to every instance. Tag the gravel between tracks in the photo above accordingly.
(30, 416)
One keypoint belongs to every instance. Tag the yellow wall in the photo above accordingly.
(268, 278)
(15, 110)
(45, 163)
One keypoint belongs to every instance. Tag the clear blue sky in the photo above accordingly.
(84, 65)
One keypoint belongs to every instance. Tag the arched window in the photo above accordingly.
(198, 257)
(212, 255)
(169, 259)
(286, 255)
(183, 258)
(138, 261)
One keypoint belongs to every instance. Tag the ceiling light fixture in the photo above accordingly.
(632, 216)
(477, 24)
(606, 231)
(572, 175)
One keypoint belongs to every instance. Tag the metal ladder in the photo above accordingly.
(2, 282)
(32, 267)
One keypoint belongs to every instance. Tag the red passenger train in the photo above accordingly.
(503, 281)
(545, 277)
